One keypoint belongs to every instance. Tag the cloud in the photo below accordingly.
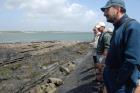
(55, 14)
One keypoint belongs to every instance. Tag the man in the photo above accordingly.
(124, 51)
(95, 42)
(102, 48)
(103, 42)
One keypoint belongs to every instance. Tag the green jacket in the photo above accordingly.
(103, 42)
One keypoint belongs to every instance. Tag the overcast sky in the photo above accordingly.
(56, 15)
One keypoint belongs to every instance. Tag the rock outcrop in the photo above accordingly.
(23, 66)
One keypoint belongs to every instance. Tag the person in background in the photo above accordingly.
(95, 42)
(102, 49)
(124, 53)
(103, 42)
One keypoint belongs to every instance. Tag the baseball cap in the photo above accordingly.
(114, 2)
(100, 24)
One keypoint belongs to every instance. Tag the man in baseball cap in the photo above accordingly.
(123, 58)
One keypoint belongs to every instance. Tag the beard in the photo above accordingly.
(111, 18)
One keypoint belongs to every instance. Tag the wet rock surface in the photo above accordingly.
(82, 79)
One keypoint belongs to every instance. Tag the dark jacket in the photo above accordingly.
(124, 49)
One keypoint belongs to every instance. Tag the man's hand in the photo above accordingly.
(100, 66)
(99, 71)
(137, 90)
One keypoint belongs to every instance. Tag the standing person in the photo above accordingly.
(124, 50)
(95, 42)
(103, 42)
(102, 49)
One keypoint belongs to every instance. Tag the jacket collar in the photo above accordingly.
(121, 21)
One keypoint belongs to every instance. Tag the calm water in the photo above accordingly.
(44, 36)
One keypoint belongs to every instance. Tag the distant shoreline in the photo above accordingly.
(47, 31)
(13, 37)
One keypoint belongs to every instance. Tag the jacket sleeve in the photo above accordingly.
(106, 39)
(131, 53)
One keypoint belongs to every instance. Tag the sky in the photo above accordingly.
(57, 15)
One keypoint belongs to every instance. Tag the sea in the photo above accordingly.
(31, 36)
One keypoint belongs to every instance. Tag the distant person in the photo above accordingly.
(102, 48)
(103, 41)
(124, 52)
(95, 42)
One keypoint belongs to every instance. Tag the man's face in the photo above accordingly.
(110, 14)
(101, 29)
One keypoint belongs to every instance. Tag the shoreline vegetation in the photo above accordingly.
(23, 66)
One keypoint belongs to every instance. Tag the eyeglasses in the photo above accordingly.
(107, 9)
